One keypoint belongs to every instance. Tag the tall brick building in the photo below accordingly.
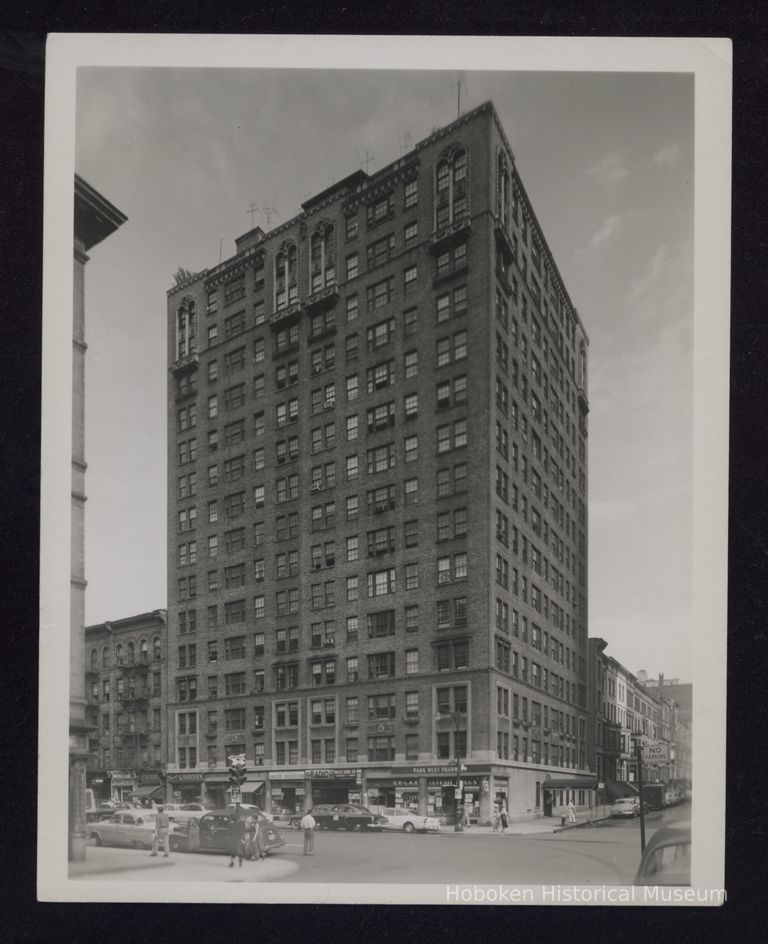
(377, 469)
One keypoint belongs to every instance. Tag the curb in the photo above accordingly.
(93, 869)
(587, 822)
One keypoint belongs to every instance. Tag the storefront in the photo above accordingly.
(186, 787)
(406, 794)
(253, 791)
(339, 785)
(501, 793)
(558, 792)
(216, 790)
(122, 786)
(285, 793)
(149, 790)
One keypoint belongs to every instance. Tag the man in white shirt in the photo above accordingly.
(308, 825)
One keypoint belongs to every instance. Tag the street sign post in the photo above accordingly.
(655, 752)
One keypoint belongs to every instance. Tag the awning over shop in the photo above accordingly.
(148, 790)
(570, 783)
(217, 778)
(251, 786)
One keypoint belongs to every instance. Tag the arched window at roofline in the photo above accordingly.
(286, 281)
(186, 328)
(451, 187)
(322, 256)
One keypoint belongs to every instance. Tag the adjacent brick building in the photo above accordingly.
(377, 468)
(125, 672)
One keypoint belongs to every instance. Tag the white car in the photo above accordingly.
(251, 808)
(626, 806)
(408, 821)
(124, 828)
(183, 812)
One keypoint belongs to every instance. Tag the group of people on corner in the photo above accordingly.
(501, 817)
(246, 840)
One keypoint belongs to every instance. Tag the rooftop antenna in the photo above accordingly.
(268, 211)
(408, 144)
(221, 247)
(458, 95)
(252, 209)
(366, 160)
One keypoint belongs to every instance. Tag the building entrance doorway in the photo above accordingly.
(547, 802)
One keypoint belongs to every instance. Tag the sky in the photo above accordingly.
(607, 161)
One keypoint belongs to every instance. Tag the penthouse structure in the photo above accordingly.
(377, 468)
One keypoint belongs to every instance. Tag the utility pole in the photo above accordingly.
(639, 755)
(458, 826)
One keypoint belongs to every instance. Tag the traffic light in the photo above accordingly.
(237, 772)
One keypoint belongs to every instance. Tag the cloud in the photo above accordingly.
(667, 155)
(608, 232)
(611, 169)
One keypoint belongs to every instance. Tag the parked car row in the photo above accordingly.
(207, 831)
(357, 818)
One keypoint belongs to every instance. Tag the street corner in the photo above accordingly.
(103, 862)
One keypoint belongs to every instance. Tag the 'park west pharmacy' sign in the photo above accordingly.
(656, 752)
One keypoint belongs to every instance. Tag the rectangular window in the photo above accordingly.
(410, 279)
(381, 582)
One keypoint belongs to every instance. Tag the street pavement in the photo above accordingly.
(531, 853)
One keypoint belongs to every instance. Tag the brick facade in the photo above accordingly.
(391, 388)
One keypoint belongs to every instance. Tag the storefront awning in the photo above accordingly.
(217, 778)
(148, 790)
(570, 783)
(251, 786)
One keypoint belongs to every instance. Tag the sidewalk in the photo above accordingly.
(108, 861)
(102, 860)
(541, 824)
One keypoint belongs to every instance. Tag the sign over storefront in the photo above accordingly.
(338, 773)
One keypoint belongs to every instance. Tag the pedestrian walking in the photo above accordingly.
(236, 841)
(249, 836)
(496, 819)
(504, 819)
(162, 829)
(259, 850)
(571, 813)
(308, 825)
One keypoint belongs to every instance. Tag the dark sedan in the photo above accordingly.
(212, 832)
(344, 816)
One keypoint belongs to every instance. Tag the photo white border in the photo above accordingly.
(710, 60)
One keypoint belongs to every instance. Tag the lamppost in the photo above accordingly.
(456, 717)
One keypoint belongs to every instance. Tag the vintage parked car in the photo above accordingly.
(125, 828)
(667, 857)
(408, 821)
(626, 806)
(211, 833)
(343, 816)
(318, 812)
